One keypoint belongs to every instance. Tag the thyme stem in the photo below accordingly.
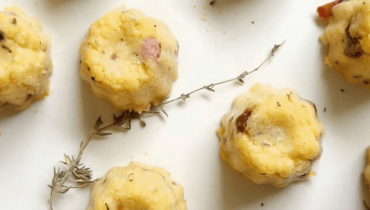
(108, 126)
(60, 177)
(211, 86)
(87, 143)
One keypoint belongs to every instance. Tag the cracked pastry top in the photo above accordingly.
(129, 59)
(271, 136)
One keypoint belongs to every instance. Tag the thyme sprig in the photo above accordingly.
(210, 87)
(83, 175)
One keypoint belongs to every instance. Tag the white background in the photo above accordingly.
(218, 48)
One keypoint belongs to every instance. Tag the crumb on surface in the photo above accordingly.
(261, 204)
(324, 109)
(204, 18)
(252, 22)
(342, 90)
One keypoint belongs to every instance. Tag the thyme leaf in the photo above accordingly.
(164, 112)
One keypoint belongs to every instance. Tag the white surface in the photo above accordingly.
(211, 50)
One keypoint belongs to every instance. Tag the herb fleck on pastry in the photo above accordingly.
(348, 38)
(129, 59)
(25, 63)
(271, 136)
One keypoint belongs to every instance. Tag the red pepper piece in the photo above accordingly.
(325, 11)
(241, 121)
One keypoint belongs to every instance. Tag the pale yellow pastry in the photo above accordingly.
(25, 63)
(348, 37)
(271, 136)
(137, 187)
(129, 59)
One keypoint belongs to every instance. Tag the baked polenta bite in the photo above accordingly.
(137, 187)
(25, 63)
(271, 136)
(348, 38)
(129, 59)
